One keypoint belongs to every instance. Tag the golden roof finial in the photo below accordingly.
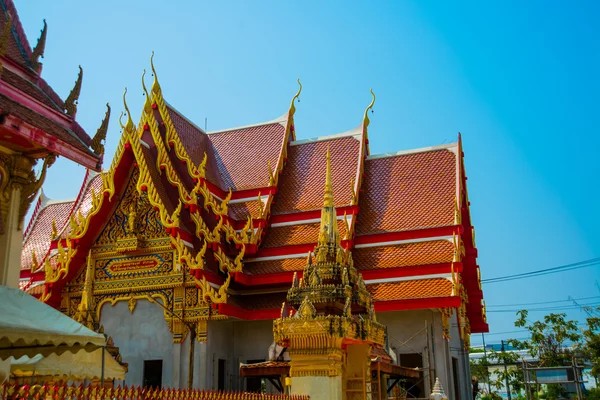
(129, 125)
(155, 84)
(38, 51)
(72, 100)
(147, 104)
(328, 197)
(100, 136)
(366, 119)
(296, 96)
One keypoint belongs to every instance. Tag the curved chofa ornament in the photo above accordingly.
(72, 100)
(129, 126)
(38, 51)
(366, 119)
(296, 96)
(96, 144)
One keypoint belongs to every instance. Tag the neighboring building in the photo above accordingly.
(35, 124)
(205, 230)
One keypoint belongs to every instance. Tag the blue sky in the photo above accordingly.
(518, 79)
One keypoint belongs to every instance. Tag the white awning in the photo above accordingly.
(74, 366)
(29, 327)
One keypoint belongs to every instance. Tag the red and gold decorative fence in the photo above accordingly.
(95, 392)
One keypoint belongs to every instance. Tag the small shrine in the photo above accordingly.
(328, 323)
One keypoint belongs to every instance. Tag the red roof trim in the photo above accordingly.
(310, 215)
(408, 235)
(415, 304)
(52, 143)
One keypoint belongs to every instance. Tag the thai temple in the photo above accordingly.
(249, 259)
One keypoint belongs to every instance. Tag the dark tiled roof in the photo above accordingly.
(303, 180)
(402, 255)
(405, 192)
(288, 235)
(414, 289)
(243, 154)
(275, 266)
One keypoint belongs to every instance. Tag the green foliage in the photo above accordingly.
(593, 394)
(550, 338)
(591, 344)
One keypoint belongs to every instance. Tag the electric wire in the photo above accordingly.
(541, 302)
(546, 271)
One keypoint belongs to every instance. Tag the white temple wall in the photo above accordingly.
(143, 335)
(458, 352)
(420, 331)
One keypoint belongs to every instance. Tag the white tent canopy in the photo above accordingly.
(29, 327)
(80, 365)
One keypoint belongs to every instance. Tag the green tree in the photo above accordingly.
(590, 348)
(552, 340)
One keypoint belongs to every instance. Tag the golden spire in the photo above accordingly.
(100, 136)
(38, 51)
(71, 102)
(328, 197)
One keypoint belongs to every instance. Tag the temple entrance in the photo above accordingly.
(221, 375)
(153, 373)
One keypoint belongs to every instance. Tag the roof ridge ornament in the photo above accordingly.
(73, 99)
(96, 144)
(366, 120)
(147, 105)
(296, 96)
(155, 84)
(38, 51)
(129, 126)
(328, 196)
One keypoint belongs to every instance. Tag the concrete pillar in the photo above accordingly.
(11, 242)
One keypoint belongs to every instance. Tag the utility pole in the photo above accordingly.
(505, 371)
(487, 367)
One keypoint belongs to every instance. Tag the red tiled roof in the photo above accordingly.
(46, 124)
(29, 88)
(196, 143)
(241, 211)
(288, 235)
(414, 289)
(274, 266)
(402, 255)
(303, 180)
(410, 191)
(242, 154)
(17, 48)
(85, 201)
(38, 236)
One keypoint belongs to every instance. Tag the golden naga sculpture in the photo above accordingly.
(96, 144)
(71, 101)
(38, 51)
(208, 292)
